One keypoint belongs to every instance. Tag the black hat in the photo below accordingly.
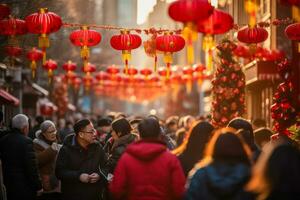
(104, 122)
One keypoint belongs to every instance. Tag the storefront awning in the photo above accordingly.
(6, 98)
(40, 89)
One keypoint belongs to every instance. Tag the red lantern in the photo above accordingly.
(85, 38)
(101, 77)
(132, 71)
(12, 27)
(113, 70)
(76, 82)
(188, 78)
(50, 65)
(88, 69)
(4, 11)
(43, 23)
(88, 81)
(190, 12)
(69, 67)
(252, 35)
(13, 51)
(293, 33)
(125, 42)
(47, 109)
(218, 22)
(169, 43)
(146, 72)
(34, 55)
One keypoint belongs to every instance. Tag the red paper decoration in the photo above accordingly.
(50, 65)
(293, 33)
(13, 51)
(34, 55)
(88, 69)
(169, 43)
(218, 22)
(85, 38)
(43, 23)
(146, 72)
(125, 42)
(4, 11)
(252, 35)
(150, 49)
(112, 70)
(47, 109)
(76, 82)
(12, 27)
(101, 77)
(132, 71)
(69, 67)
(242, 51)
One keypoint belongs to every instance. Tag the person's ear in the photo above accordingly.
(80, 134)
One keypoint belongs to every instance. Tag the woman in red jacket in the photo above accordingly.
(147, 170)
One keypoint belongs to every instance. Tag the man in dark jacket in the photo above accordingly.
(39, 120)
(19, 162)
(78, 163)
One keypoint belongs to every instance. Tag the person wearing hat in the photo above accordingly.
(103, 129)
(79, 164)
(121, 136)
(46, 148)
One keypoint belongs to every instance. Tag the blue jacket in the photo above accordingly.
(219, 180)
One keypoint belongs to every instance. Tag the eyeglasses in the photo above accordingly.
(90, 132)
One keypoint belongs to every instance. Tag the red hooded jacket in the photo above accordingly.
(147, 171)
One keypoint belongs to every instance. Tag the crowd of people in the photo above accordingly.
(146, 158)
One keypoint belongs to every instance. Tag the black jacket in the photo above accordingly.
(220, 181)
(117, 150)
(19, 162)
(72, 161)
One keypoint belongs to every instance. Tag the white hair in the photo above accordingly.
(20, 121)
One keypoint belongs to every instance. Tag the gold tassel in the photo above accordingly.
(208, 42)
(168, 71)
(85, 52)
(33, 68)
(209, 63)
(155, 63)
(189, 85)
(44, 55)
(190, 35)
(126, 56)
(44, 41)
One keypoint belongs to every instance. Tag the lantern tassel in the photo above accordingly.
(126, 56)
(44, 41)
(209, 61)
(190, 53)
(168, 71)
(44, 55)
(85, 52)
(33, 68)
(189, 86)
(50, 75)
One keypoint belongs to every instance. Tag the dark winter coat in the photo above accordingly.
(219, 180)
(188, 161)
(117, 149)
(19, 162)
(46, 158)
(71, 162)
(147, 170)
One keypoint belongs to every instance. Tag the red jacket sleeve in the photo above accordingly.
(177, 179)
(118, 185)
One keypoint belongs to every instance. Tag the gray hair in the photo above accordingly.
(20, 121)
(45, 125)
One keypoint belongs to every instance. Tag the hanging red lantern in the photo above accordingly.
(131, 72)
(13, 51)
(12, 27)
(85, 38)
(146, 72)
(252, 35)
(199, 70)
(47, 109)
(88, 69)
(169, 43)
(50, 65)
(189, 12)
(112, 70)
(43, 23)
(188, 78)
(101, 77)
(88, 81)
(125, 42)
(34, 55)
(69, 67)
(76, 82)
(293, 33)
(4, 11)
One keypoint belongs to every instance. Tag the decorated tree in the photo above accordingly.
(228, 89)
(60, 97)
(283, 110)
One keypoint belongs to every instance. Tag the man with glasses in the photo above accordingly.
(78, 163)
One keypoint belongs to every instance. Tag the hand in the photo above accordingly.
(84, 178)
(110, 177)
(55, 146)
(94, 177)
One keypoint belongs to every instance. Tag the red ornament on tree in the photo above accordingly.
(252, 35)
(34, 55)
(85, 38)
(43, 23)
(125, 42)
(169, 43)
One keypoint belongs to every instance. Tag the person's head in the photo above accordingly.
(226, 145)
(258, 123)
(276, 171)
(196, 140)
(120, 127)
(134, 123)
(39, 120)
(262, 136)
(104, 124)
(48, 130)
(172, 124)
(245, 130)
(188, 122)
(149, 128)
(21, 123)
(61, 123)
(85, 131)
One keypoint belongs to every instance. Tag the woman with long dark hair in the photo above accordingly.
(224, 171)
(191, 150)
